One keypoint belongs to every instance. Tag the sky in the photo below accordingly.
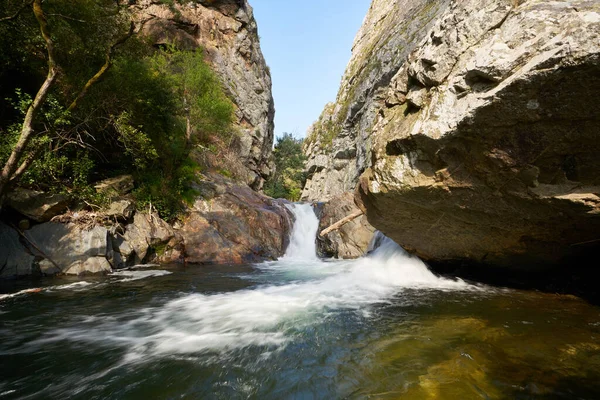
(307, 44)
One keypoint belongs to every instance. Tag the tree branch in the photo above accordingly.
(27, 131)
(107, 64)
(341, 223)
(16, 14)
(29, 158)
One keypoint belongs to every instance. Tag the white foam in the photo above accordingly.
(302, 291)
(132, 275)
(19, 293)
(75, 285)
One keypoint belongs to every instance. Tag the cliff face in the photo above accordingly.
(339, 144)
(227, 32)
(487, 148)
(480, 142)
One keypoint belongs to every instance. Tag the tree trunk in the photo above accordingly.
(341, 223)
(27, 131)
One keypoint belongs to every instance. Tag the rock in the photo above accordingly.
(115, 187)
(227, 33)
(390, 31)
(352, 239)
(239, 226)
(120, 210)
(14, 258)
(38, 206)
(496, 161)
(68, 249)
(146, 235)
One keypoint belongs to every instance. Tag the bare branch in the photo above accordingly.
(67, 17)
(27, 131)
(29, 158)
(16, 14)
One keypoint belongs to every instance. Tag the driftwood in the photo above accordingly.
(341, 222)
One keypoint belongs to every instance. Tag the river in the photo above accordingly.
(382, 327)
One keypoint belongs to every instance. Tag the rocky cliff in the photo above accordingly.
(227, 223)
(338, 145)
(227, 32)
(487, 147)
(484, 144)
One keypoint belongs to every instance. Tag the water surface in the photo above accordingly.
(383, 327)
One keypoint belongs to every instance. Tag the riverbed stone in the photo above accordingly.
(235, 227)
(121, 210)
(145, 235)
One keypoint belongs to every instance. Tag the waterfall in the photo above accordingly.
(304, 234)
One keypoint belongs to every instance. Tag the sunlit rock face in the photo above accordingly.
(227, 32)
(486, 149)
(339, 144)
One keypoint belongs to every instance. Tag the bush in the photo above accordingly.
(143, 118)
(289, 178)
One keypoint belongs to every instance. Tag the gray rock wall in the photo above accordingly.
(487, 147)
(473, 127)
(339, 144)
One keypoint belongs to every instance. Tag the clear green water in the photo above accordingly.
(374, 329)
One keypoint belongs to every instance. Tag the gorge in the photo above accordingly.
(456, 173)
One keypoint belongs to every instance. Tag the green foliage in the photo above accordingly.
(289, 178)
(143, 118)
(204, 103)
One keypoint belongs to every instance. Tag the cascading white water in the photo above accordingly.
(296, 291)
(304, 233)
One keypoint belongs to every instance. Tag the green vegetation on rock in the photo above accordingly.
(289, 177)
(115, 104)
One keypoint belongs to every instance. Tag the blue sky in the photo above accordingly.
(307, 45)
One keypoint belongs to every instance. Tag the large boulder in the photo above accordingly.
(38, 206)
(235, 227)
(69, 249)
(486, 150)
(15, 260)
(349, 241)
(147, 236)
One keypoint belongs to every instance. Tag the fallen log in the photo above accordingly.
(341, 223)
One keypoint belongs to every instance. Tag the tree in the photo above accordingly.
(25, 150)
(289, 178)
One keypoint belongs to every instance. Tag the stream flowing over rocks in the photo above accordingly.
(478, 141)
